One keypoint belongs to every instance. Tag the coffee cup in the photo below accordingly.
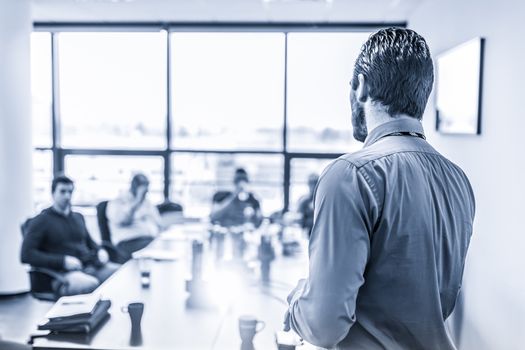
(135, 311)
(145, 271)
(248, 327)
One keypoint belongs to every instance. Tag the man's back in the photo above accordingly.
(417, 248)
(387, 251)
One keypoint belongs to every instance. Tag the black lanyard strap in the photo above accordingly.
(407, 133)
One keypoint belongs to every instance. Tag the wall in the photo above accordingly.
(15, 140)
(493, 308)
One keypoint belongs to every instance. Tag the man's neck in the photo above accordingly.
(64, 211)
(376, 116)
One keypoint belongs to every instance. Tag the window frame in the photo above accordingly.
(59, 152)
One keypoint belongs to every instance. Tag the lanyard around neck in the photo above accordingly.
(406, 133)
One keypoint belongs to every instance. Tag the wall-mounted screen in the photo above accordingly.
(458, 88)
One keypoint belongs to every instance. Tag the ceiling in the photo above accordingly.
(317, 11)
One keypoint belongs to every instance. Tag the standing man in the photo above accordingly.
(133, 220)
(58, 239)
(392, 221)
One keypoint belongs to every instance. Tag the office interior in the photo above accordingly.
(187, 91)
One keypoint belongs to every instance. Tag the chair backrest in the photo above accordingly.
(105, 233)
(169, 207)
(40, 282)
(25, 227)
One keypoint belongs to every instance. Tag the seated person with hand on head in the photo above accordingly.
(133, 220)
(58, 239)
(236, 208)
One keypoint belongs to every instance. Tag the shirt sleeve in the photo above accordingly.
(92, 245)
(118, 211)
(32, 252)
(323, 310)
(257, 217)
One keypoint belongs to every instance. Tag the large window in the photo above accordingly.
(42, 176)
(228, 90)
(102, 177)
(41, 89)
(188, 107)
(320, 67)
(113, 90)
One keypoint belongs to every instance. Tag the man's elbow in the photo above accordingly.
(326, 342)
(325, 337)
(25, 257)
(324, 332)
(215, 215)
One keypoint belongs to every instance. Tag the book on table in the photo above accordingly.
(78, 314)
(73, 306)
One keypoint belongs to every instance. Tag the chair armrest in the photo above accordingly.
(107, 245)
(51, 273)
(115, 254)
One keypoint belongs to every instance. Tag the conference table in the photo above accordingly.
(234, 289)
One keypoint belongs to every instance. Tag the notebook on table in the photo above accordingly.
(83, 322)
(73, 306)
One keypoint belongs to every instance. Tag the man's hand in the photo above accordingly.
(300, 285)
(71, 263)
(141, 193)
(243, 196)
(103, 256)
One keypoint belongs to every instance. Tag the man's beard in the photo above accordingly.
(358, 119)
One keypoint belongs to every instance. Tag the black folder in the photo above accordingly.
(84, 323)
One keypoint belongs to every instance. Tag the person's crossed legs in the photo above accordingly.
(86, 281)
(77, 282)
(102, 273)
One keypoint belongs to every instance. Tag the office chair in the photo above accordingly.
(41, 279)
(170, 213)
(169, 207)
(115, 254)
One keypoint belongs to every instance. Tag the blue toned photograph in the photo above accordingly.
(262, 175)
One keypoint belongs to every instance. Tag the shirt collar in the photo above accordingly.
(59, 213)
(396, 125)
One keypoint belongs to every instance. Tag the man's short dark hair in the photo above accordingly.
(60, 179)
(398, 70)
(240, 175)
(139, 180)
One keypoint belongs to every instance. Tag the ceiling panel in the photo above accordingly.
(223, 10)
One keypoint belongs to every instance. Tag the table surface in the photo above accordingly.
(167, 323)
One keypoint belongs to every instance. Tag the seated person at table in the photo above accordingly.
(133, 220)
(236, 208)
(305, 206)
(58, 239)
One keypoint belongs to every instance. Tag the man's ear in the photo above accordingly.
(362, 89)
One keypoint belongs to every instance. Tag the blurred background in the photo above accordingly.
(187, 91)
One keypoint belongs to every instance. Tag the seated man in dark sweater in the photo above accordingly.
(58, 239)
(236, 208)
